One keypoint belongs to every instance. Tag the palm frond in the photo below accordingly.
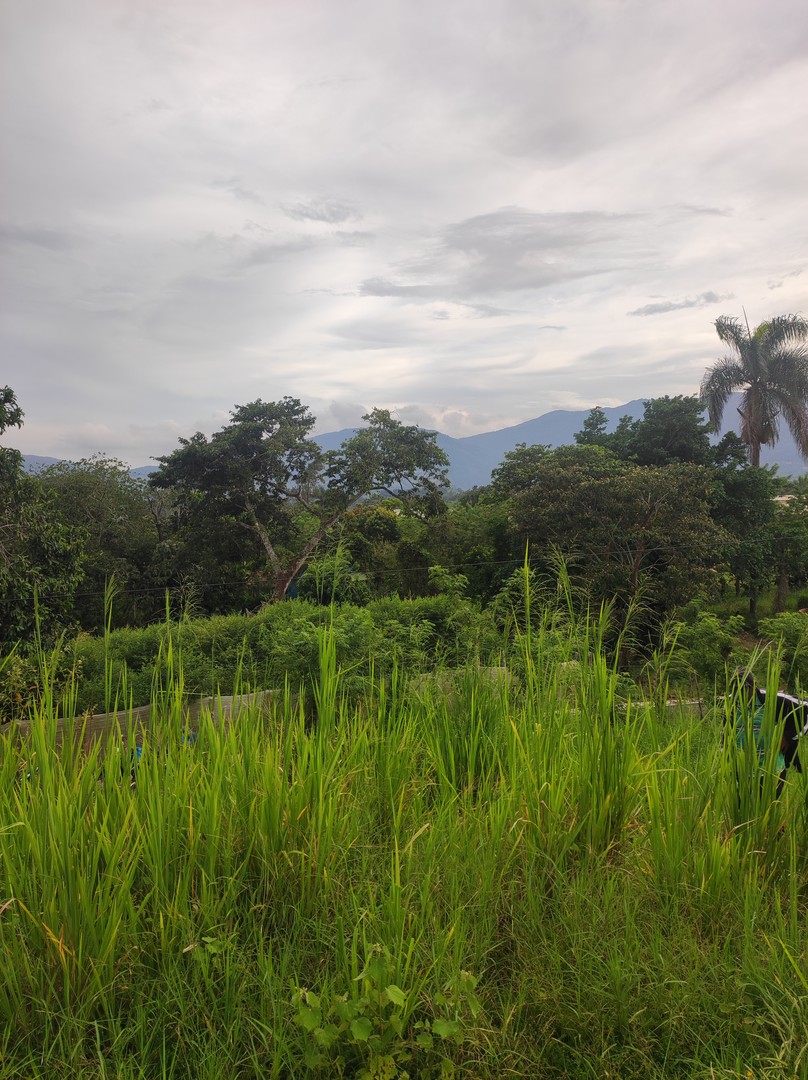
(771, 366)
(722, 379)
(787, 371)
(783, 330)
(795, 414)
(733, 333)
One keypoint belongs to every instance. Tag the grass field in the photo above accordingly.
(473, 876)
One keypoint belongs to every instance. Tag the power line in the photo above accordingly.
(515, 562)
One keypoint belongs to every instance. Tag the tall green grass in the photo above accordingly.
(477, 875)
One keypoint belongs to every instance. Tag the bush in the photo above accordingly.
(277, 645)
(27, 680)
(445, 630)
(709, 644)
(788, 632)
(289, 643)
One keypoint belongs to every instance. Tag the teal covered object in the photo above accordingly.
(757, 734)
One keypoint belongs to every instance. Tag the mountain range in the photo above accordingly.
(473, 457)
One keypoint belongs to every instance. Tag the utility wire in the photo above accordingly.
(517, 563)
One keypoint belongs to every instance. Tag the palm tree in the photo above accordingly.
(770, 366)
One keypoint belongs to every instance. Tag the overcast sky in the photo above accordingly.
(468, 212)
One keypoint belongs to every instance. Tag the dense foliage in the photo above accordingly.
(445, 876)
(467, 830)
(41, 555)
(770, 366)
(651, 514)
(263, 474)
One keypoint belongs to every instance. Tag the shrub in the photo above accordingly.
(788, 632)
(277, 645)
(709, 643)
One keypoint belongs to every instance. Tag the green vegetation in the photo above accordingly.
(121, 524)
(770, 365)
(651, 513)
(486, 824)
(263, 474)
(466, 873)
(40, 554)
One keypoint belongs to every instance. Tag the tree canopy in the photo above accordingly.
(10, 412)
(671, 429)
(517, 470)
(770, 366)
(649, 510)
(10, 416)
(264, 475)
(111, 509)
(40, 554)
(627, 530)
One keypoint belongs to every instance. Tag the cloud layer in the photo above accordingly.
(471, 213)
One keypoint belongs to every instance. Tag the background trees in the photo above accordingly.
(770, 366)
(112, 511)
(650, 511)
(744, 506)
(628, 531)
(10, 412)
(790, 548)
(40, 554)
(263, 476)
(671, 429)
(10, 416)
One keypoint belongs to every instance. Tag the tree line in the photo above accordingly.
(652, 513)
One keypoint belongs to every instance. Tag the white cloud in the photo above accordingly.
(456, 210)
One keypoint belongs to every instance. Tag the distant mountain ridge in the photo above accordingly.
(474, 457)
(35, 462)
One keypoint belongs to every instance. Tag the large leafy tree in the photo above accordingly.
(790, 544)
(744, 505)
(671, 429)
(516, 471)
(263, 476)
(770, 366)
(10, 412)
(40, 554)
(10, 416)
(594, 433)
(113, 511)
(627, 530)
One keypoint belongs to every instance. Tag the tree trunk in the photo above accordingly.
(284, 576)
(283, 579)
(754, 452)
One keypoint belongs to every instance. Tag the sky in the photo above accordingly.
(469, 213)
